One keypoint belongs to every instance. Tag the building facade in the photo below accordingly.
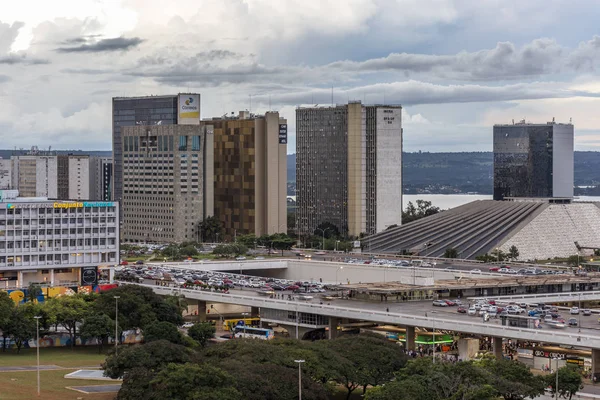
(101, 175)
(533, 160)
(349, 167)
(5, 174)
(55, 242)
(35, 175)
(250, 169)
(167, 175)
(183, 108)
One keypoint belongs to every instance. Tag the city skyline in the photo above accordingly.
(457, 69)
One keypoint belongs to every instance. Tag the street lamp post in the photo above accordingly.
(336, 245)
(116, 324)
(299, 378)
(297, 322)
(556, 384)
(433, 319)
(37, 346)
(323, 231)
(336, 273)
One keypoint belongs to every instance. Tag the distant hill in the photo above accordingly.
(465, 172)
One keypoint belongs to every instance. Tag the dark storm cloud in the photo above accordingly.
(21, 58)
(104, 45)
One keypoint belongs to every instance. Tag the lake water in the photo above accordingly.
(445, 201)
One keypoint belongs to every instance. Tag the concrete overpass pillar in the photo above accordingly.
(410, 338)
(196, 309)
(333, 325)
(498, 348)
(254, 312)
(596, 364)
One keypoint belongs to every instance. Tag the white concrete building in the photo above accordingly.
(79, 178)
(55, 242)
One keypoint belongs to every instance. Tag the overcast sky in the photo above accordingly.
(457, 66)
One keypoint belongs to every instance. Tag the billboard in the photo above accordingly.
(188, 109)
(282, 133)
(89, 276)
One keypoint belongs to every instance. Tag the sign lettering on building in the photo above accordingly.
(282, 133)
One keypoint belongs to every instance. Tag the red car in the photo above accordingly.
(494, 269)
(124, 263)
(462, 310)
(492, 302)
(450, 302)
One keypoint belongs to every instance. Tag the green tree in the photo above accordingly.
(423, 209)
(573, 261)
(211, 229)
(6, 307)
(373, 361)
(152, 356)
(513, 252)
(138, 306)
(193, 382)
(162, 330)
(247, 240)
(99, 327)
(69, 312)
(171, 251)
(569, 381)
(512, 379)
(188, 251)
(202, 332)
(330, 230)
(20, 326)
(291, 221)
(282, 242)
(33, 292)
(451, 252)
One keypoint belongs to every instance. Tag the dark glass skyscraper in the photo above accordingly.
(130, 111)
(533, 160)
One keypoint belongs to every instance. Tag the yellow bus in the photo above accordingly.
(229, 324)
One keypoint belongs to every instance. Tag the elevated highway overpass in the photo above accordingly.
(364, 311)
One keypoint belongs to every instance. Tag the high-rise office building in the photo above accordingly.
(250, 164)
(36, 175)
(349, 167)
(101, 173)
(5, 174)
(167, 182)
(533, 160)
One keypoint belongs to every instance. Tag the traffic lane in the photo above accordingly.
(588, 324)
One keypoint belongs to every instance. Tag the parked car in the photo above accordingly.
(440, 303)
(475, 271)
(462, 309)
(494, 269)
(139, 262)
(450, 302)
(548, 318)
(574, 311)
(572, 321)
(587, 312)
(472, 311)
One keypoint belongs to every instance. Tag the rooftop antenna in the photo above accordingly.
(552, 119)
(513, 121)
(571, 120)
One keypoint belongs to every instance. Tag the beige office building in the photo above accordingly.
(167, 182)
(250, 160)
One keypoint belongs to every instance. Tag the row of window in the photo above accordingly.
(56, 244)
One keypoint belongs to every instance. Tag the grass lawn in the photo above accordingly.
(23, 386)
(61, 356)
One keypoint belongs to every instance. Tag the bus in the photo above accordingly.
(229, 324)
(253, 333)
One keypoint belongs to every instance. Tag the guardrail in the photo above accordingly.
(548, 297)
(583, 338)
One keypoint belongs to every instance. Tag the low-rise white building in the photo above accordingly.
(56, 242)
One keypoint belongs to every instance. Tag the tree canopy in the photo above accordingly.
(423, 209)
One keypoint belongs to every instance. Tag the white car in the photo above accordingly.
(475, 271)
(187, 325)
(574, 310)
(472, 311)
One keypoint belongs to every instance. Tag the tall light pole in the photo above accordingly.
(336, 273)
(297, 321)
(37, 346)
(336, 245)
(116, 323)
(433, 318)
(299, 378)
(556, 384)
(323, 231)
